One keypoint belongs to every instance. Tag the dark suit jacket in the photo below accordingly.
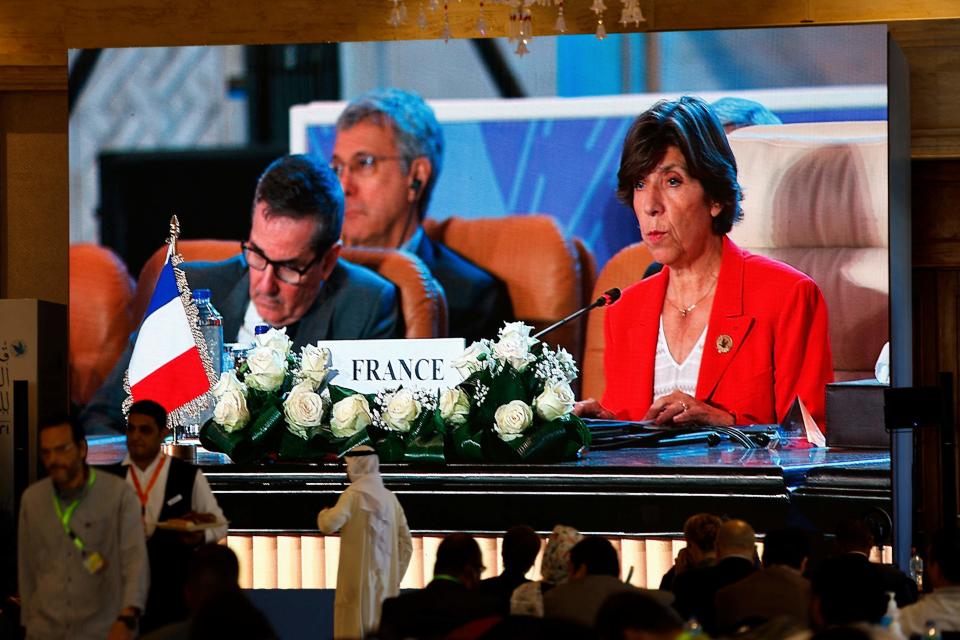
(501, 587)
(697, 589)
(775, 591)
(891, 577)
(434, 611)
(478, 303)
(354, 303)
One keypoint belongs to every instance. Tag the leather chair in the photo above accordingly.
(623, 269)
(531, 255)
(422, 302)
(100, 318)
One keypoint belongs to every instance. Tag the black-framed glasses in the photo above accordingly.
(361, 164)
(282, 270)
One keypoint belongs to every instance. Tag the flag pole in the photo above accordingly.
(172, 251)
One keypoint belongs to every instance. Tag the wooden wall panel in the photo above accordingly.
(34, 207)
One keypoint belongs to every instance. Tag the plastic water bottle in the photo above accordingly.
(261, 329)
(916, 568)
(931, 631)
(211, 325)
(891, 619)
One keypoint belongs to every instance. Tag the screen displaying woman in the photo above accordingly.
(719, 336)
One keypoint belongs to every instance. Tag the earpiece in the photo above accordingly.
(415, 185)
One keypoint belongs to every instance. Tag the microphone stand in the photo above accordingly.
(609, 297)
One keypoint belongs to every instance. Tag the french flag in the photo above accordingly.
(165, 366)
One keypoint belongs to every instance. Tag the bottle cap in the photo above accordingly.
(261, 328)
(201, 294)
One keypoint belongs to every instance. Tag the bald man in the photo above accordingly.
(696, 589)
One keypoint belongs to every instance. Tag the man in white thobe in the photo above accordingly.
(375, 545)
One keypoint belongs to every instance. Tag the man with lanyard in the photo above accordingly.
(170, 491)
(375, 545)
(82, 558)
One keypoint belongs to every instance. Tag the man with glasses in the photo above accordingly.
(172, 492)
(290, 275)
(82, 562)
(388, 154)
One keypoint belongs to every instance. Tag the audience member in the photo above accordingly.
(854, 539)
(848, 592)
(700, 534)
(779, 589)
(533, 628)
(527, 599)
(289, 275)
(388, 154)
(734, 113)
(448, 602)
(943, 573)
(637, 616)
(169, 490)
(82, 556)
(213, 571)
(231, 615)
(696, 589)
(521, 544)
(375, 545)
(594, 576)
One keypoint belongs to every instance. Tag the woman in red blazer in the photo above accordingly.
(720, 336)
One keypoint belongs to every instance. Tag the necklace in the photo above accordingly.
(683, 311)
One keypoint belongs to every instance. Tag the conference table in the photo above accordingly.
(638, 492)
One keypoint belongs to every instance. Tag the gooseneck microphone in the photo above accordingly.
(609, 297)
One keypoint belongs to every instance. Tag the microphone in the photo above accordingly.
(609, 297)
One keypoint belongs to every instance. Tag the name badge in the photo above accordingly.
(369, 366)
(94, 563)
(174, 500)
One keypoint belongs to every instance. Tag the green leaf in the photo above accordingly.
(428, 448)
(540, 444)
(338, 393)
(294, 447)
(266, 426)
(389, 447)
(235, 444)
(342, 445)
(465, 443)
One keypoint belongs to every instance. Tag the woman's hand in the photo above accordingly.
(590, 408)
(684, 410)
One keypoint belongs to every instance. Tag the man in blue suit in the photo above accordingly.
(388, 154)
(289, 275)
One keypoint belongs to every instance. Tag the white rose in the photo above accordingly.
(350, 416)
(275, 339)
(231, 411)
(512, 419)
(555, 401)
(228, 382)
(314, 364)
(402, 410)
(304, 410)
(267, 368)
(470, 362)
(514, 345)
(454, 406)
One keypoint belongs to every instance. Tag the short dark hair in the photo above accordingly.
(77, 432)
(456, 552)
(690, 125)
(701, 530)
(853, 535)
(785, 546)
(300, 186)
(415, 129)
(214, 563)
(945, 552)
(152, 410)
(521, 544)
(637, 611)
(598, 555)
(849, 590)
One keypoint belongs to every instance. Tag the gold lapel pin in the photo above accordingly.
(724, 343)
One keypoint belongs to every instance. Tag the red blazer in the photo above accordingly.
(772, 317)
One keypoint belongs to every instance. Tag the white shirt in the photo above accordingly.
(942, 606)
(669, 375)
(202, 500)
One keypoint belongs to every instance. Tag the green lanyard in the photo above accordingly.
(65, 516)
